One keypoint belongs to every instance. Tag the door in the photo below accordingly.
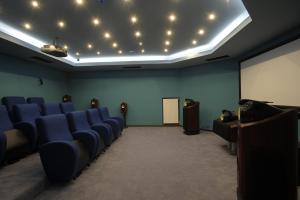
(170, 111)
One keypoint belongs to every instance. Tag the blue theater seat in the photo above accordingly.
(14, 143)
(67, 107)
(26, 115)
(103, 129)
(36, 100)
(50, 109)
(78, 122)
(9, 102)
(106, 116)
(63, 155)
(115, 125)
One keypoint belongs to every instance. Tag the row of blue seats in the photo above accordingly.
(66, 142)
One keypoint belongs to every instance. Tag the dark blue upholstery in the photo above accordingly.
(62, 156)
(67, 107)
(103, 129)
(78, 122)
(20, 142)
(115, 125)
(36, 100)
(50, 109)
(105, 116)
(9, 102)
(26, 115)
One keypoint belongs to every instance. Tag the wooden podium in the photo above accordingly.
(191, 118)
(267, 158)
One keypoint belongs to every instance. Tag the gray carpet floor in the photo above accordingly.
(156, 163)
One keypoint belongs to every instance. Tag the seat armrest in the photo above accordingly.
(2, 147)
(89, 140)
(30, 132)
(60, 160)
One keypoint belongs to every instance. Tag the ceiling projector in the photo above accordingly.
(54, 50)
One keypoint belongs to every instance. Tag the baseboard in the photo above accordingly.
(166, 125)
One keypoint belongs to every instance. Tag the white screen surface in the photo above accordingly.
(273, 76)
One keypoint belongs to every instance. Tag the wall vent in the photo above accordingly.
(218, 58)
(132, 67)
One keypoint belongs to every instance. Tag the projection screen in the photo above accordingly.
(273, 76)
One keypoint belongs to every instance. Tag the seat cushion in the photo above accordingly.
(226, 130)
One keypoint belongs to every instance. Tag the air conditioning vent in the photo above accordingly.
(132, 67)
(218, 58)
(39, 59)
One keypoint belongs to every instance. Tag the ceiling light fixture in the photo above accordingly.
(194, 42)
(66, 47)
(61, 24)
(120, 51)
(96, 21)
(166, 50)
(98, 52)
(107, 35)
(35, 4)
(140, 43)
(172, 17)
(89, 46)
(77, 54)
(138, 34)
(79, 2)
(169, 32)
(143, 50)
(27, 25)
(201, 32)
(167, 43)
(114, 45)
(211, 16)
(134, 19)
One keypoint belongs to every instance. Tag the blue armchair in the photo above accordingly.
(10, 102)
(103, 129)
(36, 100)
(26, 114)
(50, 109)
(63, 155)
(106, 116)
(115, 125)
(78, 123)
(14, 143)
(67, 107)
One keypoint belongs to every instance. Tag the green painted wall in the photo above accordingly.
(20, 78)
(142, 90)
(215, 85)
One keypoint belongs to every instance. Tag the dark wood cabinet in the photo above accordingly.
(191, 118)
(267, 158)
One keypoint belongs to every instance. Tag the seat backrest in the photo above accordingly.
(27, 112)
(50, 109)
(53, 128)
(10, 102)
(93, 116)
(104, 113)
(67, 107)
(78, 121)
(36, 100)
(5, 123)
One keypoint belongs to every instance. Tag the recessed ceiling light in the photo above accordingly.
(201, 31)
(166, 50)
(143, 50)
(140, 43)
(167, 43)
(27, 25)
(79, 2)
(107, 35)
(96, 21)
(77, 53)
(114, 45)
(211, 16)
(89, 46)
(66, 47)
(169, 32)
(133, 19)
(138, 34)
(172, 17)
(61, 24)
(35, 4)
(98, 52)
(194, 42)
(120, 52)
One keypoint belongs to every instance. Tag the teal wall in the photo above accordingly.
(20, 78)
(142, 90)
(215, 85)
